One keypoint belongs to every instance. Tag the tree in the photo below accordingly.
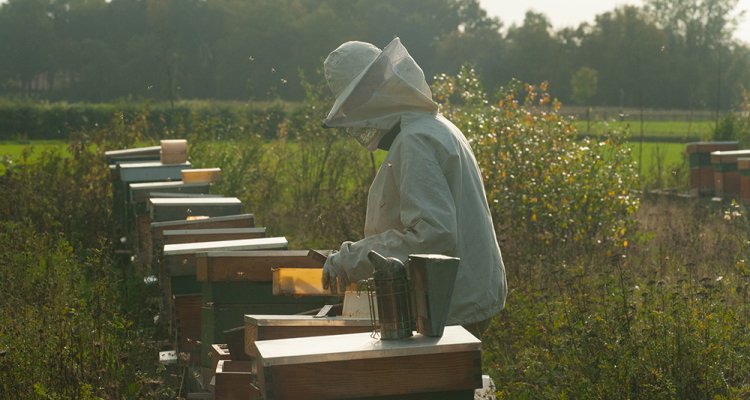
(26, 40)
(533, 52)
(626, 50)
(584, 83)
(699, 33)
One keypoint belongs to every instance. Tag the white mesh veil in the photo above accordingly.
(388, 87)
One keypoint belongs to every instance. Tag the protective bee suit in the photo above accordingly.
(427, 196)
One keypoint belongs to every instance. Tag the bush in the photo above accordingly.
(73, 320)
(309, 185)
(24, 120)
(670, 320)
(550, 191)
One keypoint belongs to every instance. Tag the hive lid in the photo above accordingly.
(240, 244)
(360, 346)
(303, 320)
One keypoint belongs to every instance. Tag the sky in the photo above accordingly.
(562, 13)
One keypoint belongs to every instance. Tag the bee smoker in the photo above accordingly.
(414, 296)
(392, 293)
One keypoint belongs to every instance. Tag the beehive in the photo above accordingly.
(701, 171)
(726, 174)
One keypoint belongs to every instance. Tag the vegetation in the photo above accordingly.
(73, 323)
(613, 294)
(24, 120)
(665, 54)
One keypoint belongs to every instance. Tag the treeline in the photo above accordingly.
(29, 120)
(667, 54)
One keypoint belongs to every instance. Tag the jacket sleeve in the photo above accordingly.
(427, 211)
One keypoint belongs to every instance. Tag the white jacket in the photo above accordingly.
(427, 197)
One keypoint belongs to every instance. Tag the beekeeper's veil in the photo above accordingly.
(374, 88)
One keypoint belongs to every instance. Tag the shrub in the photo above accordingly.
(550, 191)
(73, 318)
(670, 320)
(25, 120)
(310, 184)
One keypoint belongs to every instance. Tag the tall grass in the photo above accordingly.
(73, 318)
(667, 319)
(612, 294)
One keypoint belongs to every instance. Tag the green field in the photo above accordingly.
(658, 153)
(13, 151)
(671, 129)
(656, 157)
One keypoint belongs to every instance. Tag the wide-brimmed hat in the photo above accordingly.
(374, 88)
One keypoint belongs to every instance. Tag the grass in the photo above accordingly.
(672, 129)
(15, 149)
(667, 319)
(658, 157)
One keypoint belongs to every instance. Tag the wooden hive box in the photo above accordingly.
(177, 278)
(172, 209)
(128, 173)
(150, 153)
(233, 380)
(701, 170)
(726, 174)
(140, 193)
(201, 175)
(179, 259)
(151, 171)
(173, 151)
(187, 323)
(176, 236)
(219, 352)
(253, 266)
(743, 166)
(226, 304)
(227, 221)
(143, 218)
(239, 283)
(419, 367)
(271, 327)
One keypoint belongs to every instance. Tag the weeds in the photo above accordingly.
(612, 295)
(667, 320)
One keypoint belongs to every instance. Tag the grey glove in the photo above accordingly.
(334, 274)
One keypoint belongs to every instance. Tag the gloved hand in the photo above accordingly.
(334, 274)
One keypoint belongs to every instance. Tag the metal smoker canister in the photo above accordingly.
(392, 291)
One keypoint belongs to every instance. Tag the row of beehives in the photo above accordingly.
(212, 264)
(719, 169)
(225, 296)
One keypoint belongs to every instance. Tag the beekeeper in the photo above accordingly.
(427, 196)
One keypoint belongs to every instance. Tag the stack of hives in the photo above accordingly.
(719, 169)
(212, 264)
(225, 298)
